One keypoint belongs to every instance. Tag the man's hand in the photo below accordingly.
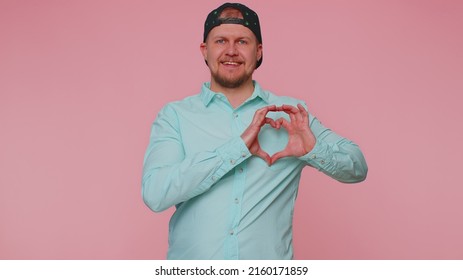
(249, 136)
(301, 139)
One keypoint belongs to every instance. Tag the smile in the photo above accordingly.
(231, 63)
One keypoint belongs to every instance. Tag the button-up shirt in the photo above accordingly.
(229, 203)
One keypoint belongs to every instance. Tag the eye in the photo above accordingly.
(242, 42)
(220, 41)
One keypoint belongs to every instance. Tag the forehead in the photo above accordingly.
(232, 30)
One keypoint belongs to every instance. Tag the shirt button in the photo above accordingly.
(240, 170)
(232, 161)
(235, 115)
(314, 156)
(322, 161)
(214, 178)
(232, 232)
(237, 201)
(243, 154)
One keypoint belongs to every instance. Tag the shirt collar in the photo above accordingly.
(207, 95)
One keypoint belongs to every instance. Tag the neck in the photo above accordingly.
(236, 96)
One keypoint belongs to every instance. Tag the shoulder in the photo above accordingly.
(274, 99)
(172, 111)
(282, 99)
(191, 102)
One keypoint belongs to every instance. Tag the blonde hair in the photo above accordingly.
(231, 13)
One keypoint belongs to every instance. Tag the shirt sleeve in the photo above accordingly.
(335, 156)
(170, 177)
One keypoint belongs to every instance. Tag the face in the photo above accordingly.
(231, 52)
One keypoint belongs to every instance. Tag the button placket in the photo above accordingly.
(236, 162)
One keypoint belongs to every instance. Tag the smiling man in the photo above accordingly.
(230, 158)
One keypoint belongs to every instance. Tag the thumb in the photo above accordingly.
(263, 155)
(278, 155)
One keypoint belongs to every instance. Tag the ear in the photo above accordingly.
(259, 51)
(203, 49)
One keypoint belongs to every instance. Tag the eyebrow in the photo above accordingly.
(237, 38)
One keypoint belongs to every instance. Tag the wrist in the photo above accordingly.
(309, 144)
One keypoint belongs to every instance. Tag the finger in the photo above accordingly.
(301, 109)
(266, 109)
(291, 111)
(260, 114)
(304, 113)
(289, 108)
(263, 155)
(284, 123)
(279, 108)
(271, 122)
(297, 115)
(278, 155)
(271, 108)
(259, 117)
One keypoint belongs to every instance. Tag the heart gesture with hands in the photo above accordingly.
(301, 139)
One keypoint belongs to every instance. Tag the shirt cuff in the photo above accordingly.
(232, 154)
(320, 156)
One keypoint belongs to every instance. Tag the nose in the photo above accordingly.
(232, 50)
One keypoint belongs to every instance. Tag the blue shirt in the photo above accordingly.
(229, 203)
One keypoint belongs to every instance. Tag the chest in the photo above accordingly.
(208, 129)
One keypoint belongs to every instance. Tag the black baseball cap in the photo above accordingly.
(249, 20)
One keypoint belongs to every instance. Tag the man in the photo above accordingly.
(230, 158)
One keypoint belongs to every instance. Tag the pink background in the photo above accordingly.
(82, 81)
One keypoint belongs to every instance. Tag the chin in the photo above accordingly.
(234, 81)
(230, 83)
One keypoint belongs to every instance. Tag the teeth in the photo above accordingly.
(230, 63)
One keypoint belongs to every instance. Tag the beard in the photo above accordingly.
(230, 82)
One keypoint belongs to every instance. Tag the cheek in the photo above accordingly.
(213, 54)
(252, 54)
(252, 57)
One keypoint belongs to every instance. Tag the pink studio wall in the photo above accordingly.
(82, 81)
